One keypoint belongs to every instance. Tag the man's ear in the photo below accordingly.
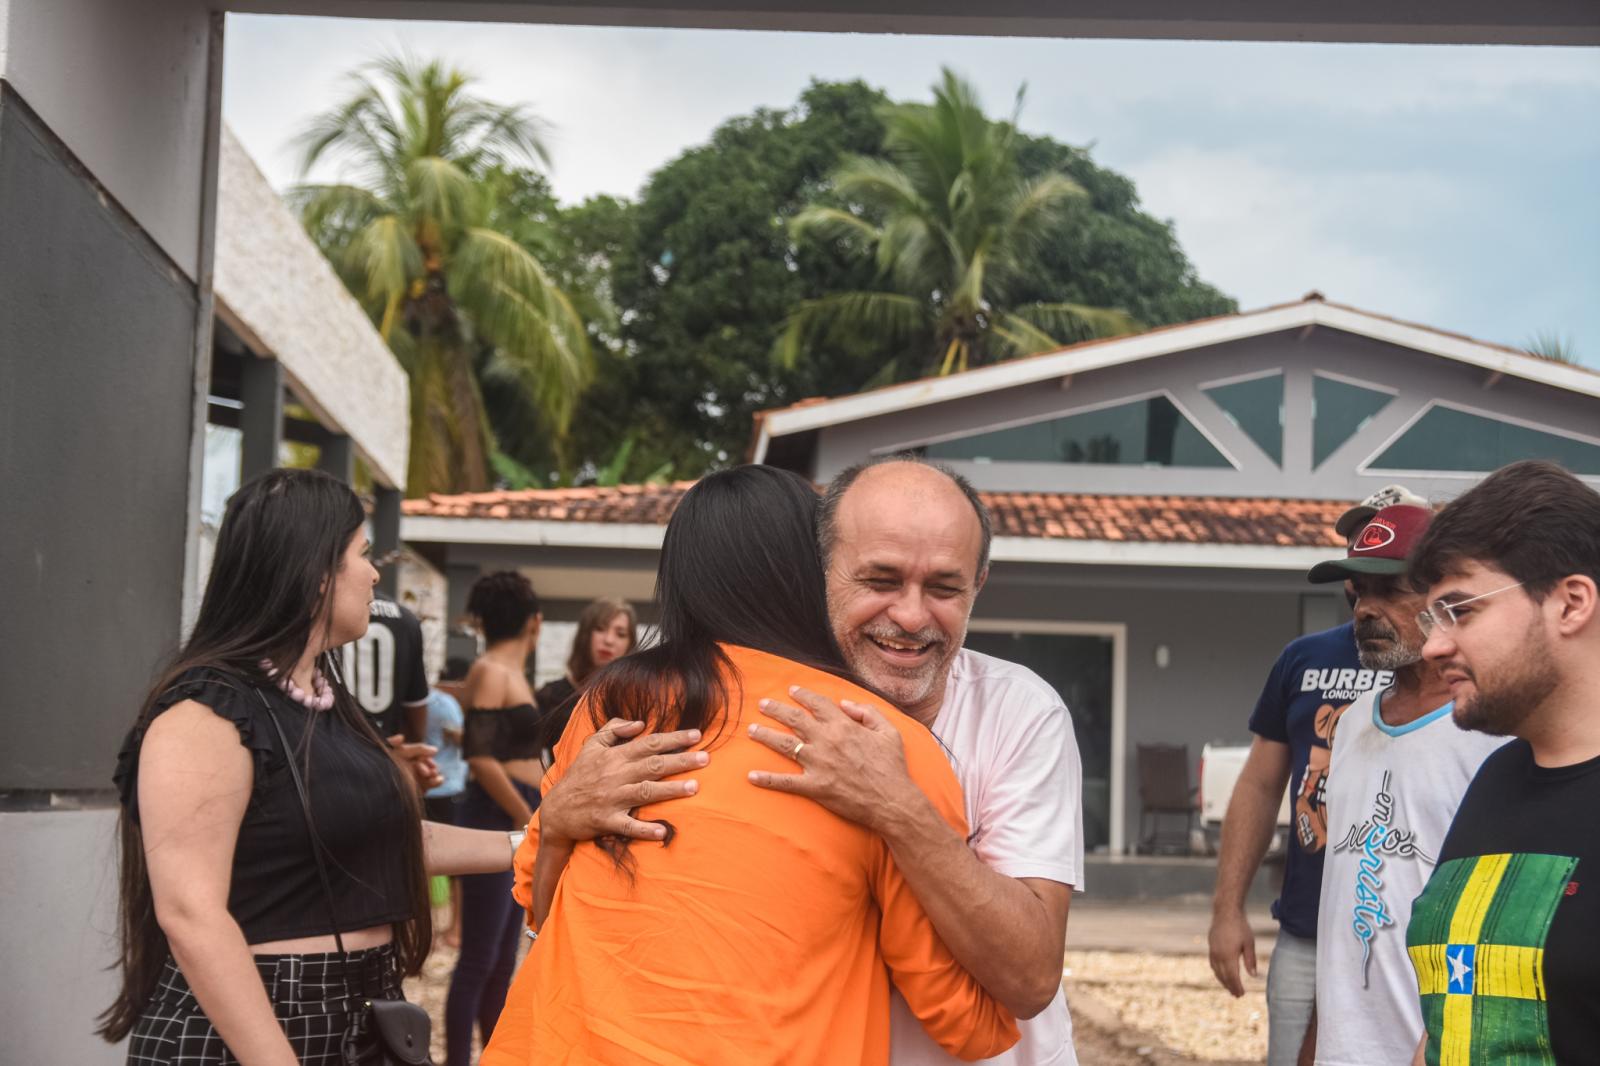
(1576, 597)
(977, 586)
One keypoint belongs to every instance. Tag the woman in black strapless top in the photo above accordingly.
(501, 745)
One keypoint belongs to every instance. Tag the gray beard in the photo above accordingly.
(1395, 658)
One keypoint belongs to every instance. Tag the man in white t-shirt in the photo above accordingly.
(1398, 770)
(906, 548)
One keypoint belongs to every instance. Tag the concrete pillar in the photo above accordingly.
(459, 578)
(261, 419)
(386, 537)
(336, 456)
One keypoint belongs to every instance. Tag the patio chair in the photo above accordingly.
(1168, 805)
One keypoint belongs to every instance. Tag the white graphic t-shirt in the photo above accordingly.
(1391, 794)
(1010, 739)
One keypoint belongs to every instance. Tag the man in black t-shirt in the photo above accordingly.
(384, 670)
(1505, 938)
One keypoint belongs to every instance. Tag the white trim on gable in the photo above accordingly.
(1167, 341)
(527, 532)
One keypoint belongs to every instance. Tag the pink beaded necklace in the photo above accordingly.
(319, 699)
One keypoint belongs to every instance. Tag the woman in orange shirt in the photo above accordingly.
(763, 929)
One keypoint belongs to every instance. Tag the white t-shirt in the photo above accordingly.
(1010, 739)
(1392, 792)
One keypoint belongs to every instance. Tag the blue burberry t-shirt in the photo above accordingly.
(1314, 680)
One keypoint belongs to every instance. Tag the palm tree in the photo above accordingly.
(1553, 346)
(411, 231)
(951, 220)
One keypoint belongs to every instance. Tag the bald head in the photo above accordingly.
(905, 548)
(912, 479)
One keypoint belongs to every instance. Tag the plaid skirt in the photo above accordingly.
(317, 999)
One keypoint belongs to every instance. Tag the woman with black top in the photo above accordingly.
(227, 945)
(501, 745)
(607, 630)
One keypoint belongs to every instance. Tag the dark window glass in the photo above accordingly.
(1255, 406)
(1149, 432)
(1446, 439)
(1339, 411)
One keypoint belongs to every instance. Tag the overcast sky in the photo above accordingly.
(1458, 187)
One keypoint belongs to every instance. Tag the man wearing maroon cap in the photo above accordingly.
(1315, 677)
(1399, 766)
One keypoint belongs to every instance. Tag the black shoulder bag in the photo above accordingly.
(402, 1028)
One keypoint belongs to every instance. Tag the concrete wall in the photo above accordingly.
(1224, 629)
(97, 329)
(277, 292)
(58, 878)
(102, 142)
(124, 86)
(1416, 377)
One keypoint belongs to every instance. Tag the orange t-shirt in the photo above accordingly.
(766, 932)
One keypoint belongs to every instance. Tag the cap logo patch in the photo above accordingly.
(1377, 534)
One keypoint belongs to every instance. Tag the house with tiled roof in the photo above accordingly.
(1157, 499)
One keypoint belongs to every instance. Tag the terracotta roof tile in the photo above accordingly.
(1045, 515)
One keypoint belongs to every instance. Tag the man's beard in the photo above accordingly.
(908, 685)
(1396, 655)
(1501, 709)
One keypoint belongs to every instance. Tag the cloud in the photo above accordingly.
(1453, 185)
(1268, 232)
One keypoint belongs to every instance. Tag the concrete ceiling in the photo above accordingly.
(1559, 22)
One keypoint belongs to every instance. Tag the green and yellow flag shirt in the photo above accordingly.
(1391, 794)
(1505, 938)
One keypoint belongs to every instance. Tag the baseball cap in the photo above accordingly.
(1362, 513)
(1382, 546)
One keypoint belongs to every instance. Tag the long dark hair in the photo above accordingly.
(739, 565)
(598, 615)
(278, 554)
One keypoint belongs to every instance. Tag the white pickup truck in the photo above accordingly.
(1220, 766)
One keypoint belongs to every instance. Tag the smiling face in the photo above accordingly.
(1497, 658)
(1387, 634)
(611, 641)
(902, 577)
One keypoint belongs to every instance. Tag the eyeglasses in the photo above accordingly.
(1442, 615)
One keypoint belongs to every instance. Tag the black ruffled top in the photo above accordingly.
(355, 801)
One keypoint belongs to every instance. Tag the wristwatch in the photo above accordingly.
(516, 836)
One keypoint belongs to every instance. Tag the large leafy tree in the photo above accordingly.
(704, 271)
(416, 229)
(954, 223)
(685, 290)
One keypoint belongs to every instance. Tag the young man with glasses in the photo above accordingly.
(1397, 770)
(1506, 936)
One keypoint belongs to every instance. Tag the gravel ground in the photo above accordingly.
(1170, 1005)
(1128, 1009)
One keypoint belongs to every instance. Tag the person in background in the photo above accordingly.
(607, 630)
(1315, 678)
(1504, 936)
(384, 669)
(443, 803)
(500, 743)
